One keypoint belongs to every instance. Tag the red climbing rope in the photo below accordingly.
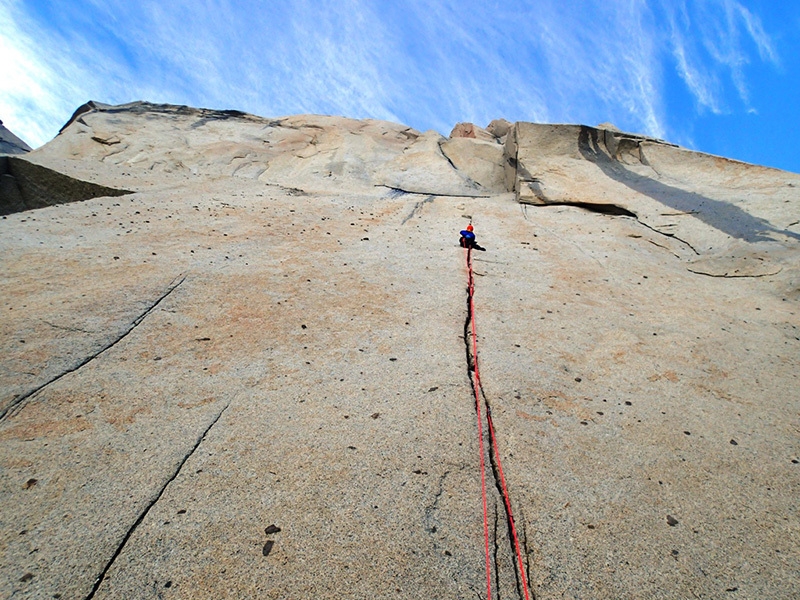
(479, 411)
(507, 501)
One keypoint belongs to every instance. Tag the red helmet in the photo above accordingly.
(469, 227)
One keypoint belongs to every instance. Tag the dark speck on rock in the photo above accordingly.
(27, 577)
(733, 589)
(303, 327)
(578, 379)
(671, 521)
(182, 511)
(267, 548)
(375, 415)
(687, 432)
(734, 443)
(628, 403)
(392, 359)
(272, 529)
(434, 388)
(30, 483)
(168, 584)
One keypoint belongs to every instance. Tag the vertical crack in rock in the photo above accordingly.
(433, 508)
(101, 577)
(468, 180)
(496, 557)
(490, 449)
(525, 547)
(17, 404)
(444, 154)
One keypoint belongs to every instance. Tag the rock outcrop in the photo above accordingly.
(251, 375)
(25, 186)
(10, 143)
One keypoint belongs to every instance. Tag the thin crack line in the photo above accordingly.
(496, 550)
(527, 552)
(670, 235)
(510, 522)
(417, 210)
(472, 375)
(508, 526)
(726, 276)
(447, 158)
(15, 406)
(469, 180)
(65, 328)
(471, 368)
(397, 189)
(100, 578)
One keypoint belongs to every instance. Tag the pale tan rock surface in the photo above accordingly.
(469, 130)
(499, 128)
(268, 334)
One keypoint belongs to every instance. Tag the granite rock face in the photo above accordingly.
(10, 143)
(249, 376)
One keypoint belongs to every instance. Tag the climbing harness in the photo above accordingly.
(479, 410)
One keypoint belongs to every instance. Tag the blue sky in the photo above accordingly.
(720, 76)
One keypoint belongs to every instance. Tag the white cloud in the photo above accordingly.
(766, 48)
(426, 63)
(27, 105)
(720, 26)
(703, 86)
(340, 62)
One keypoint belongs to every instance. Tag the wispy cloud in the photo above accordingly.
(426, 63)
(704, 86)
(723, 28)
(29, 104)
(766, 47)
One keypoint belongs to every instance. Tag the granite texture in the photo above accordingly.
(249, 376)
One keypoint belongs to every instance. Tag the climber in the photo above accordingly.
(468, 239)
